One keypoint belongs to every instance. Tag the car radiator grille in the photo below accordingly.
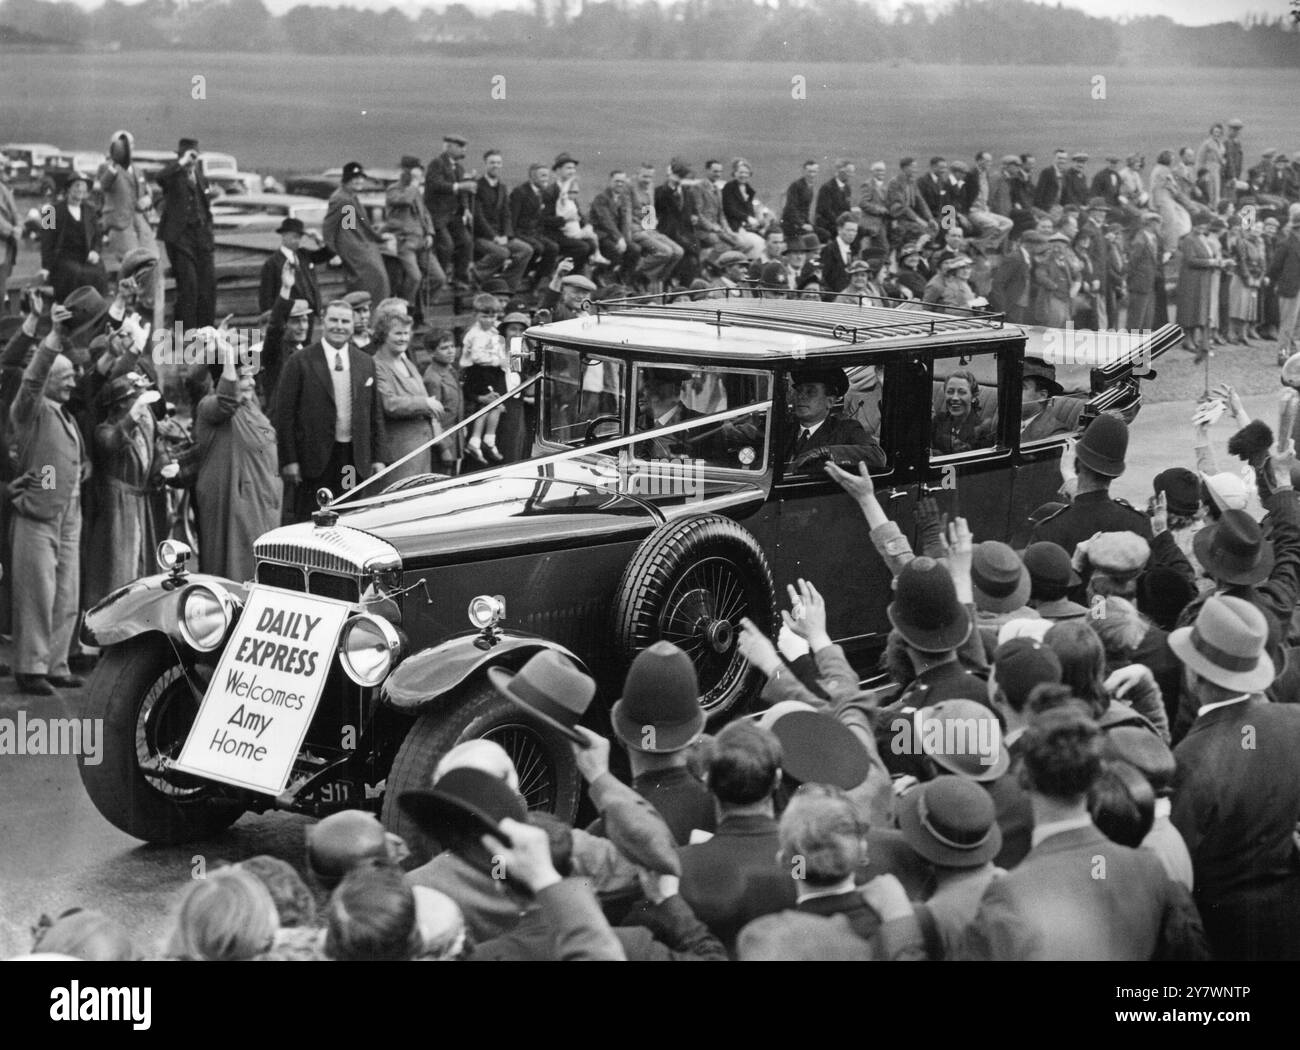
(330, 561)
(324, 584)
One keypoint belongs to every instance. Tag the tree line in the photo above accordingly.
(970, 32)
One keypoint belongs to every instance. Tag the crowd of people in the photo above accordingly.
(1082, 701)
(1081, 750)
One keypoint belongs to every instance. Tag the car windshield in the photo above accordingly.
(580, 390)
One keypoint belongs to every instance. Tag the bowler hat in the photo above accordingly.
(817, 747)
(1050, 573)
(951, 822)
(659, 711)
(563, 159)
(963, 737)
(1226, 645)
(408, 162)
(1020, 664)
(1162, 594)
(1233, 549)
(337, 843)
(120, 389)
(1040, 514)
(998, 577)
(1103, 446)
(550, 688)
(925, 609)
(1182, 490)
(463, 799)
(185, 145)
(1043, 374)
(810, 242)
(833, 379)
(352, 170)
(291, 225)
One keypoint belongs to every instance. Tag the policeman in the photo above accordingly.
(1099, 459)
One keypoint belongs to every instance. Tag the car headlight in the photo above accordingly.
(206, 612)
(173, 554)
(486, 610)
(368, 648)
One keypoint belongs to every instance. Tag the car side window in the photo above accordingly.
(577, 390)
(670, 394)
(964, 404)
(834, 414)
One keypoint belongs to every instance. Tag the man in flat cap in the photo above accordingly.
(186, 229)
(1074, 182)
(408, 219)
(449, 195)
(815, 435)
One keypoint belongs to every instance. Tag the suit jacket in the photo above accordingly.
(492, 210)
(611, 215)
(833, 199)
(735, 877)
(681, 799)
(1284, 268)
(1061, 416)
(347, 225)
(304, 412)
(1074, 188)
(444, 204)
(1079, 896)
(1106, 184)
(1009, 196)
(56, 243)
(186, 210)
(844, 440)
(675, 212)
(1090, 512)
(407, 215)
(738, 203)
(304, 278)
(874, 204)
(835, 271)
(1012, 289)
(798, 208)
(526, 207)
(1237, 807)
(906, 202)
(1143, 263)
(1047, 194)
(935, 192)
(122, 189)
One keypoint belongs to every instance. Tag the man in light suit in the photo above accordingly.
(1236, 795)
(1077, 895)
(874, 205)
(327, 414)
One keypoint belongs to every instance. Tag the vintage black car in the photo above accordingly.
(623, 528)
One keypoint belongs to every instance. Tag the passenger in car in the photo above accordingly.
(820, 436)
(662, 407)
(958, 425)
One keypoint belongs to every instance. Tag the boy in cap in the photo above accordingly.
(1237, 807)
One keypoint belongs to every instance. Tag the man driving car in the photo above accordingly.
(816, 435)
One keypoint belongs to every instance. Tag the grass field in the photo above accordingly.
(281, 113)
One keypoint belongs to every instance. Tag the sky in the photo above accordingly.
(1188, 12)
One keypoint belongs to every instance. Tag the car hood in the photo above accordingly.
(568, 504)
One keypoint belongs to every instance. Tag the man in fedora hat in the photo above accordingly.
(657, 719)
(1001, 587)
(1099, 460)
(1044, 411)
(1056, 904)
(1051, 578)
(1236, 796)
(299, 251)
(816, 436)
(951, 823)
(186, 229)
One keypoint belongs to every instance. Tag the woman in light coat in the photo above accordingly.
(409, 411)
(127, 200)
(1168, 200)
(1209, 158)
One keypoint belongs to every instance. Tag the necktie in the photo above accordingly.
(812, 207)
(338, 361)
(801, 442)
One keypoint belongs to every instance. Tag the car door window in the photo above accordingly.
(964, 405)
(676, 393)
(578, 390)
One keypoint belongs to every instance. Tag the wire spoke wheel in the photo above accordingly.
(167, 713)
(527, 750)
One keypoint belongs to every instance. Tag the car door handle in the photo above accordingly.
(894, 494)
(930, 490)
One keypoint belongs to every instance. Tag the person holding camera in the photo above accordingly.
(186, 229)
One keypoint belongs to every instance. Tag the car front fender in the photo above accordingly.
(144, 605)
(424, 678)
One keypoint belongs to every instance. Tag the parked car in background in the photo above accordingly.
(59, 168)
(618, 532)
(262, 212)
(25, 163)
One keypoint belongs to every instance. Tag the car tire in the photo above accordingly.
(689, 583)
(548, 772)
(140, 693)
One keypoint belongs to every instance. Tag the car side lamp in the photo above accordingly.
(486, 613)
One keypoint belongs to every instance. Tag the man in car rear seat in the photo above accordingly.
(816, 435)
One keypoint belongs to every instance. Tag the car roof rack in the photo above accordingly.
(852, 321)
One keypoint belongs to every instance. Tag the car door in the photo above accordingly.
(821, 533)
